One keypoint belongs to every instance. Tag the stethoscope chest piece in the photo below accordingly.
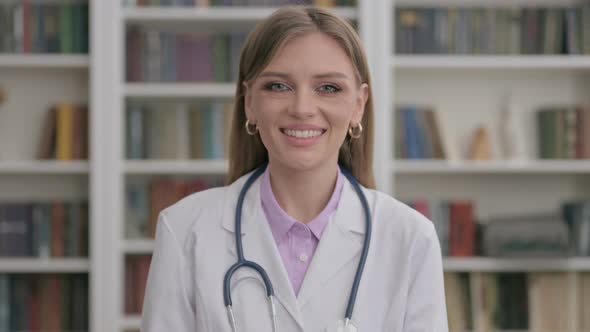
(341, 327)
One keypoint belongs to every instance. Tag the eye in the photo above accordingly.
(329, 88)
(276, 87)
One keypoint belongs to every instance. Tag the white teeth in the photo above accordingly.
(302, 133)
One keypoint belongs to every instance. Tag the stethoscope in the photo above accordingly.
(242, 262)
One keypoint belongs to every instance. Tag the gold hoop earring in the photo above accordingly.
(357, 134)
(251, 131)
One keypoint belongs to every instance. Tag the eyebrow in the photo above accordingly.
(322, 75)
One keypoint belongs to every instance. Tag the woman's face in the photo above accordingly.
(304, 101)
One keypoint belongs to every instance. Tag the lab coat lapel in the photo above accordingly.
(341, 242)
(260, 247)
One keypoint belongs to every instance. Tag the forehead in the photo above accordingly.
(311, 54)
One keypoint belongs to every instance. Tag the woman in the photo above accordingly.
(303, 123)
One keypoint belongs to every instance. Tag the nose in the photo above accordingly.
(304, 105)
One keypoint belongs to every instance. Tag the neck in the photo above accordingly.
(303, 194)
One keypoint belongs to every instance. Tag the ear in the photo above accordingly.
(248, 103)
(361, 101)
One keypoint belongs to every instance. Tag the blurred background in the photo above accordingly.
(112, 110)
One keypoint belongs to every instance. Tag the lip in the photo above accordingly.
(303, 127)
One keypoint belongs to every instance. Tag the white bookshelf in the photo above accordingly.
(130, 322)
(552, 167)
(44, 265)
(179, 90)
(452, 83)
(200, 15)
(454, 62)
(176, 167)
(138, 246)
(62, 61)
(34, 82)
(44, 167)
(183, 19)
(468, 90)
(495, 265)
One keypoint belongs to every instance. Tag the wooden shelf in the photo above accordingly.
(43, 265)
(44, 61)
(176, 167)
(44, 167)
(491, 167)
(179, 90)
(537, 62)
(488, 264)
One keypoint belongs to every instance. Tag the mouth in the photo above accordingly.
(303, 134)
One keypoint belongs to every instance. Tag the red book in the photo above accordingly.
(35, 307)
(58, 216)
(142, 268)
(55, 316)
(462, 229)
(422, 207)
(162, 195)
(130, 302)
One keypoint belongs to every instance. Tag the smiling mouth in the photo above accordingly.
(303, 134)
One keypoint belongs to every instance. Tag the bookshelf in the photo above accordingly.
(40, 61)
(33, 81)
(470, 89)
(34, 265)
(530, 62)
(125, 172)
(557, 167)
(44, 167)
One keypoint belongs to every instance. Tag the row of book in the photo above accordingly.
(557, 234)
(37, 303)
(178, 131)
(47, 229)
(208, 3)
(145, 200)
(564, 132)
(538, 301)
(30, 27)
(136, 273)
(455, 224)
(64, 132)
(418, 133)
(153, 55)
(493, 31)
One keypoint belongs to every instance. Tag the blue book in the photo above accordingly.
(411, 132)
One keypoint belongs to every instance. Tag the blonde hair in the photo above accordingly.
(246, 152)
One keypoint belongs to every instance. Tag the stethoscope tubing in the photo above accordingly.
(242, 262)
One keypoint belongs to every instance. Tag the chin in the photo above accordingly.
(302, 163)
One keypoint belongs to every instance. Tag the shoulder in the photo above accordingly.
(400, 221)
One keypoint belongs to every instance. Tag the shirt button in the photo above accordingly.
(303, 257)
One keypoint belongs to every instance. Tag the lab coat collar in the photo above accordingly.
(341, 242)
(259, 244)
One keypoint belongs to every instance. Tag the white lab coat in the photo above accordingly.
(401, 288)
